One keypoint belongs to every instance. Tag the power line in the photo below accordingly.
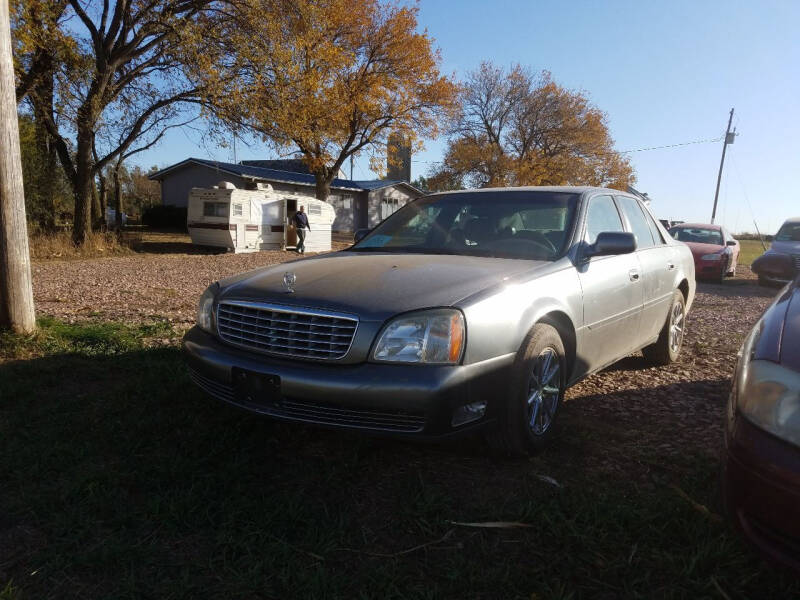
(706, 141)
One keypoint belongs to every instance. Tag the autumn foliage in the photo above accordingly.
(516, 128)
(327, 78)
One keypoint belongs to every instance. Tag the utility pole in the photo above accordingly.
(16, 291)
(729, 137)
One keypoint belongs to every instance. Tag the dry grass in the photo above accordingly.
(59, 246)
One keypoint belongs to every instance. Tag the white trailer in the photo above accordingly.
(253, 220)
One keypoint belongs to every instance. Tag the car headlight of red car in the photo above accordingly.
(768, 395)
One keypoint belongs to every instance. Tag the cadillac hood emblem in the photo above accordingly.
(289, 279)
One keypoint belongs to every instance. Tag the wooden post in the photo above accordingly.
(16, 291)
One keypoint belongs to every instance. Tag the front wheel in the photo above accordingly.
(670, 341)
(527, 418)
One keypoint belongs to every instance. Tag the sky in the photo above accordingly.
(664, 72)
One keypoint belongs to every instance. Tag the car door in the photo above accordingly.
(612, 290)
(658, 268)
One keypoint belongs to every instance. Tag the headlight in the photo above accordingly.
(205, 308)
(711, 257)
(431, 336)
(770, 397)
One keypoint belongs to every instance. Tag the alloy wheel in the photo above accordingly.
(544, 391)
(676, 327)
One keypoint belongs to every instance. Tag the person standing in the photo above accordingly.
(300, 221)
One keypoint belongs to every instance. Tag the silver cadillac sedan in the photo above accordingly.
(463, 311)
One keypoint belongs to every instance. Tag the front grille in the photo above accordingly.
(211, 387)
(796, 258)
(326, 414)
(313, 412)
(286, 331)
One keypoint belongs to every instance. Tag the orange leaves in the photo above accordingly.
(328, 77)
(518, 128)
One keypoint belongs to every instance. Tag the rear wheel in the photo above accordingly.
(670, 341)
(527, 418)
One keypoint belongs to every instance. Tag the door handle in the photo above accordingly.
(670, 266)
(633, 274)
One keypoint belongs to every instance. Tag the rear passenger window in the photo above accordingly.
(633, 212)
(657, 237)
(601, 215)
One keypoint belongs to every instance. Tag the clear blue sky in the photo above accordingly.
(664, 72)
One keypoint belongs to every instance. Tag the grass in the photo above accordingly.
(749, 250)
(120, 480)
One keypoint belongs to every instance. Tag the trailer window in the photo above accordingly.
(237, 210)
(314, 209)
(216, 209)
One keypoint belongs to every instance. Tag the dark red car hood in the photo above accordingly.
(780, 337)
(699, 249)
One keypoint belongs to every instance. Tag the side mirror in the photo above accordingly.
(730, 243)
(610, 243)
(360, 235)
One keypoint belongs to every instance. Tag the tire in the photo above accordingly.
(667, 348)
(527, 418)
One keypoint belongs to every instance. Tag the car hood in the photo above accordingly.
(785, 247)
(778, 340)
(373, 285)
(699, 249)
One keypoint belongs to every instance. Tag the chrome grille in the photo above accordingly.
(313, 412)
(211, 387)
(326, 414)
(286, 331)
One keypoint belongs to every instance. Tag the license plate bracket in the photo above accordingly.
(251, 387)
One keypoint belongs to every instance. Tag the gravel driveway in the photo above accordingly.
(664, 407)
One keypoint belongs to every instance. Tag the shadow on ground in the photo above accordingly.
(120, 479)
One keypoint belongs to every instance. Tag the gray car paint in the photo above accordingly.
(501, 298)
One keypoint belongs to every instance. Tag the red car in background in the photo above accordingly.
(715, 251)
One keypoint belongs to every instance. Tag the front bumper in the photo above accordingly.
(762, 491)
(707, 269)
(403, 400)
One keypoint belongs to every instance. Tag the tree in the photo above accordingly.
(140, 191)
(47, 192)
(329, 78)
(126, 74)
(16, 291)
(517, 128)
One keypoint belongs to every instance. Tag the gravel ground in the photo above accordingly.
(677, 408)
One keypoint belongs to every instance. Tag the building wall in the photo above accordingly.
(345, 204)
(386, 201)
(175, 186)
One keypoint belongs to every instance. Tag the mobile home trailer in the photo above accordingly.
(253, 220)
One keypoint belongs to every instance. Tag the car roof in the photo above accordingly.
(696, 226)
(792, 221)
(568, 189)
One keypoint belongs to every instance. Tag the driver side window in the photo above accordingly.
(601, 215)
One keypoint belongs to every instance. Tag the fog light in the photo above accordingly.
(468, 413)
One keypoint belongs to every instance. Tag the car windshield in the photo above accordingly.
(509, 224)
(790, 232)
(698, 235)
